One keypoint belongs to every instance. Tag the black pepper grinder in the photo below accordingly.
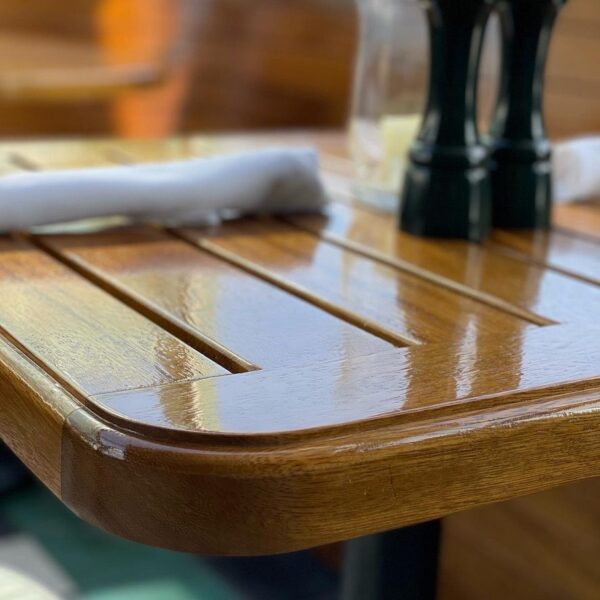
(520, 150)
(447, 190)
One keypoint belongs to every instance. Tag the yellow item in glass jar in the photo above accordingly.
(397, 134)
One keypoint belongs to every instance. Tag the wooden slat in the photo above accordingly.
(33, 411)
(92, 342)
(574, 256)
(529, 291)
(209, 301)
(395, 303)
(473, 368)
(578, 217)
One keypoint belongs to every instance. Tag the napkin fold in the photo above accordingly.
(187, 192)
(576, 169)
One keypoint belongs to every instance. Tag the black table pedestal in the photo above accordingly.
(398, 564)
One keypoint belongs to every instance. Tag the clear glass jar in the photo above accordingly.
(390, 92)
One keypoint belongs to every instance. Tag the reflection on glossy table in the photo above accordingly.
(273, 384)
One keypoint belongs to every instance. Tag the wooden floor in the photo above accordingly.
(545, 546)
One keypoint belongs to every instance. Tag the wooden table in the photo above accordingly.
(275, 384)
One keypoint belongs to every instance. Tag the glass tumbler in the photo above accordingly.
(390, 91)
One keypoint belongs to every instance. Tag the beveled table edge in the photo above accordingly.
(264, 496)
(306, 493)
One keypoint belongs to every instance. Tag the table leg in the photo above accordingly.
(395, 565)
(13, 474)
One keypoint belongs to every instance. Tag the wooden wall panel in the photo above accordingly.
(274, 63)
(573, 76)
(290, 64)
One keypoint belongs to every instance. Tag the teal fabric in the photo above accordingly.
(105, 567)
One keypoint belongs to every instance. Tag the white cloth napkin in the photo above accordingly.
(188, 192)
(576, 166)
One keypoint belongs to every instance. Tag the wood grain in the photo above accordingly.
(575, 256)
(210, 303)
(539, 546)
(88, 340)
(526, 290)
(109, 341)
(359, 289)
(473, 370)
(255, 500)
(32, 414)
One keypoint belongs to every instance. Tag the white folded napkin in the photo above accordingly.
(188, 192)
(576, 166)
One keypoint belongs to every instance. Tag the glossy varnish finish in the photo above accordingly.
(484, 271)
(270, 384)
(558, 250)
(578, 219)
(363, 290)
(212, 301)
(89, 340)
(472, 372)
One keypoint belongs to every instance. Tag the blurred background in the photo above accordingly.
(152, 68)
(148, 68)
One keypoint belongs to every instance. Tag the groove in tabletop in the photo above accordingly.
(86, 338)
(573, 256)
(335, 486)
(350, 284)
(473, 369)
(330, 339)
(21, 162)
(527, 290)
(205, 298)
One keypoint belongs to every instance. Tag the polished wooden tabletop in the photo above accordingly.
(273, 384)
